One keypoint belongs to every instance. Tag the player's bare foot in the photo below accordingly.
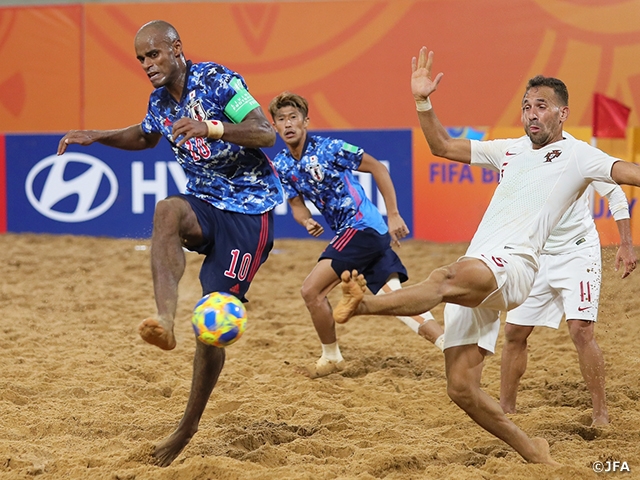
(168, 449)
(600, 420)
(322, 368)
(152, 332)
(353, 288)
(542, 454)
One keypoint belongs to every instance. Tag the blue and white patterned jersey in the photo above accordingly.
(324, 176)
(228, 176)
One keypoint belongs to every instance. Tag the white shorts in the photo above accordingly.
(567, 284)
(515, 275)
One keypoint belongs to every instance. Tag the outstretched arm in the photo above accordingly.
(422, 86)
(129, 138)
(625, 255)
(254, 131)
(626, 173)
(397, 227)
(619, 208)
(302, 215)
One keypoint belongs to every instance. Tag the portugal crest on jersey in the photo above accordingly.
(315, 169)
(551, 155)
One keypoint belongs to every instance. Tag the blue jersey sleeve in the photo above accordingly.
(280, 163)
(150, 122)
(346, 156)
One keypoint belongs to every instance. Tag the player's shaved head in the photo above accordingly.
(163, 29)
(159, 50)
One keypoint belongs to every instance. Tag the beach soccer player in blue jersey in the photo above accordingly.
(320, 169)
(216, 130)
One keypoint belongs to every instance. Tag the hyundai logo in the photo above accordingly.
(57, 187)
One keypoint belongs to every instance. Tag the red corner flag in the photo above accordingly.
(609, 117)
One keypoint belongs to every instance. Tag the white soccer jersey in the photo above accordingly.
(535, 190)
(576, 228)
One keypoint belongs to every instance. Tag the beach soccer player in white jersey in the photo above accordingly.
(568, 284)
(542, 174)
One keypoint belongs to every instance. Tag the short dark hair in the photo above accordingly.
(288, 99)
(557, 85)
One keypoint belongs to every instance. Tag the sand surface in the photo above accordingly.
(83, 397)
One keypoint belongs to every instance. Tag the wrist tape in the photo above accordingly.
(215, 129)
(423, 105)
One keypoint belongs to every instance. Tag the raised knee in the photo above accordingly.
(166, 212)
(443, 280)
(442, 274)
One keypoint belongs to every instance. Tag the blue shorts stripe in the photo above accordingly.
(367, 251)
(264, 234)
(344, 239)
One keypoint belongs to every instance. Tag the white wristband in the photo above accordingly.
(215, 129)
(423, 105)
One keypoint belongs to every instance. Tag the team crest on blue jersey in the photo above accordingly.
(196, 111)
(315, 169)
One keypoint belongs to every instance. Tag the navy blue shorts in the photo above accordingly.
(235, 245)
(368, 252)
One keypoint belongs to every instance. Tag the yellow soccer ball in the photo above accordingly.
(219, 319)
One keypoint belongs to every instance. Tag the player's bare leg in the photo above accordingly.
(592, 367)
(314, 291)
(430, 330)
(512, 364)
(207, 365)
(353, 287)
(424, 324)
(174, 224)
(466, 282)
(463, 366)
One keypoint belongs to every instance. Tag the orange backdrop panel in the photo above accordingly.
(351, 59)
(41, 79)
(449, 197)
(67, 67)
